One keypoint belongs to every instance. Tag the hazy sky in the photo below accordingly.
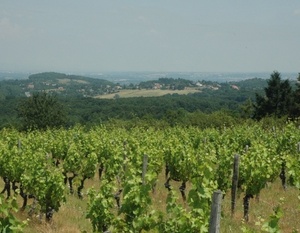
(150, 35)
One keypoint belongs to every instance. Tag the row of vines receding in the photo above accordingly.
(46, 166)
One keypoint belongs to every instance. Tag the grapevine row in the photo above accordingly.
(45, 165)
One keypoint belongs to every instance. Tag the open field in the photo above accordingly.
(147, 93)
(67, 80)
(71, 216)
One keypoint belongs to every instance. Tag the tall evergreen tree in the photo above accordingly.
(296, 99)
(277, 100)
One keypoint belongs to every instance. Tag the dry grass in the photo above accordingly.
(64, 80)
(71, 216)
(147, 93)
(67, 80)
(261, 208)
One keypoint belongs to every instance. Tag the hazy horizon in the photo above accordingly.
(137, 77)
(150, 36)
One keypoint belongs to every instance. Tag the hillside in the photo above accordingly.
(82, 86)
(59, 83)
(89, 100)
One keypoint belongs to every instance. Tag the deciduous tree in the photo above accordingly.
(41, 111)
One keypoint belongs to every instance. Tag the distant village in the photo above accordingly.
(88, 90)
(70, 85)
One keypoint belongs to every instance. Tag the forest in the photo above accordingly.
(77, 95)
(214, 105)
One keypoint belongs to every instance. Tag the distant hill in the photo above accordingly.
(68, 85)
(87, 99)
(61, 78)
(251, 84)
(59, 83)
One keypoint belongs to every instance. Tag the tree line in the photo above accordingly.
(279, 100)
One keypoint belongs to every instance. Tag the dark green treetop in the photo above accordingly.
(41, 111)
(277, 100)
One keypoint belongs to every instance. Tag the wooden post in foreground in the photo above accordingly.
(235, 178)
(215, 214)
(145, 164)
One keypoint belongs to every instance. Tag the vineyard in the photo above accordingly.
(120, 174)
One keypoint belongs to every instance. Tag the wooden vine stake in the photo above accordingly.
(235, 179)
(215, 214)
(145, 163)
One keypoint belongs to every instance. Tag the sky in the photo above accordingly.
(150, 35)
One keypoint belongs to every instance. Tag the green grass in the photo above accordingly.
(147, 93)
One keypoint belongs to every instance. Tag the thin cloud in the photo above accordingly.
(141, 18)
(297, 12)
(8, 29)
(152, 31)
